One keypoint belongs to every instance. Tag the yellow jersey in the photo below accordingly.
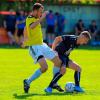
(34, 35)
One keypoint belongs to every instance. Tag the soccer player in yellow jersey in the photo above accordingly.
(38, 50)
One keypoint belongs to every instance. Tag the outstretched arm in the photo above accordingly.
(25, 34)
(34, 24)
(56, 42)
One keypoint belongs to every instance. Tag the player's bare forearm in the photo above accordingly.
(34, 24)
(25, 34)
(56, 42)
(25, 37)
(54, 45)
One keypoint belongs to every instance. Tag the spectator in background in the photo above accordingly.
(50, 33)
(26, 13)
(79, 27)
(9, 25)
(93, 29)
(20, 24)
(94, 33)
(60, 24)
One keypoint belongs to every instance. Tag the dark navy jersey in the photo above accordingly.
(67, 45)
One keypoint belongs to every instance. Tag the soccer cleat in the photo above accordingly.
(78, 89)
(26, 86)
(48, 90)
(58, 88)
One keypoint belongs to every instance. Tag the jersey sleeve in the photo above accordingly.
(65, 38)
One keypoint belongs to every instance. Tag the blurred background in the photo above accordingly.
(65, 17)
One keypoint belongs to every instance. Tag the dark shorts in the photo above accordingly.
(64, 59)
(20, 32)
(12, 30)
(50, 29)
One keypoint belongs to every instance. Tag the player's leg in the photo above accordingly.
(61, 71)
(76, 67)
(11, 36)
(56, 77)
(43, 67)
(53, 84)
(77, 74)
(51, 55)
(37, 74)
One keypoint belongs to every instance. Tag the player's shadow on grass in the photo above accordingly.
(25, 96)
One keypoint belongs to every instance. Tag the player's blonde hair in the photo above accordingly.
(86, 34)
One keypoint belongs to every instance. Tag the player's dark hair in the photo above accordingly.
(37, 6)
(93, 21)
(86, 34)
(80, 20)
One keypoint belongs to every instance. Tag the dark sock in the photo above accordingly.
(77, 78)
(56, 77)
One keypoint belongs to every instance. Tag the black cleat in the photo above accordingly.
(26, 86)
(58, 88)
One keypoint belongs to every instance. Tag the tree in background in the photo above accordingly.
(84, 1)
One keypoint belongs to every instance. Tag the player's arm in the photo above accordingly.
(34, 24)
(25, 33)
(25, 36)
(56, 42)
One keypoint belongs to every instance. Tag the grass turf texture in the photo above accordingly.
(16, 65)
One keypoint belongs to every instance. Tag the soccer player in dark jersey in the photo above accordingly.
(63, 45)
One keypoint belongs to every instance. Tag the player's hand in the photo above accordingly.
(23, 41)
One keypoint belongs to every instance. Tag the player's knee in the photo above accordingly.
(79, 69)
(44, 69)
(58, 63)
(63, 70)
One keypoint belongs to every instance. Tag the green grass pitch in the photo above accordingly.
(16, 64)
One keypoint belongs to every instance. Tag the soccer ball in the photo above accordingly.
(69, 87)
